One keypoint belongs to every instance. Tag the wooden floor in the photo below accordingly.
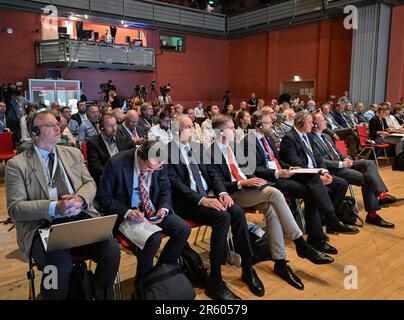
(377, 254)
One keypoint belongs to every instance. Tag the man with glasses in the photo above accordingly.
(146, 119)
(135, 185)
(89, 127)
(49, 183)
(104, 146)
(130, 128)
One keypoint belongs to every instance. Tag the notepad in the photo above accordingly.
(138, 232)
(306, 170)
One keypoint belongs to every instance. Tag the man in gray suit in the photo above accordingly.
(360, 172)
(48, 184)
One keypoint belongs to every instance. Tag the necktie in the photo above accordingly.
(330, 150)
(147, 207)
(134, 135)
(233, 167)
(270, 153)
(57, 181)
(309, 151)
(195, 173)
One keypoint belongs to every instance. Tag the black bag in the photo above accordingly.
(192, 266)
(260, 247)
(398, 163)
(348, 212)
(166, 282)
(82, 284)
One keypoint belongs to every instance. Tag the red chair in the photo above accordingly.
(370, 147)
(6, 146)
(84, 151)
(341, 147)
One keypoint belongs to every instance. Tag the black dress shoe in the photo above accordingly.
(323, 246)
(254, 283)
(378, 221)
(341, 228)
(287, 274)
(387, 200)
(314, 256)
(220, 292)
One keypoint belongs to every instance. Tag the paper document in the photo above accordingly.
(305, 170)
(397, 135)
(137, 232)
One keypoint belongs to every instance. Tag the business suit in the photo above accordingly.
(146, 124)
(115, 194)
(376, 124)
(28, 203)
(269, 200)
(328, 201)
(77, 118)
(291, 187)
(98, 154)
(362, 172)
(123, 132)
(186, 203)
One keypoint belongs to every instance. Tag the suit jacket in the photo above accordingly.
(183, 195)
(125, 133)
(293, 153)
(114, 194)
(98, 154)
(144, 125)
(222, 168)
(322, 151)
(376, 125)
(340, 119)
(261, 169)
(27, 193)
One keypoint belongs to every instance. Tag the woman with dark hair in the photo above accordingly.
(228, 110)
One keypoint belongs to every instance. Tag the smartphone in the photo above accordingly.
(153, 218)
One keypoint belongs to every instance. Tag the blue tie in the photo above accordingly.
(195, 173)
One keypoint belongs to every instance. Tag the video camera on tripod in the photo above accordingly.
(106, 87)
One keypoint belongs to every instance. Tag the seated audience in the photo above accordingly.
(198, 136)
(228, 110)
(130, 128)
(349, 116)
(371, 112)
(379, 130)
(362, 173)
(119, 115)
(360, 117)
(71, 123)
(55, 106)
(162, 131)
(66, 134)
(243, 122)
(104, 146)
(34, 199)
(135, 185)
(30, 109)
(81, 112)
(249, 191)
(4, 119)
(199, 113)
(297, 149)
(208, 132)
(146, 119)
(89, 127)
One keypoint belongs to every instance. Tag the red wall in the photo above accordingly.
(395, 77)
(318, 51)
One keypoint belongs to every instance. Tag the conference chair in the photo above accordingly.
(6, 146)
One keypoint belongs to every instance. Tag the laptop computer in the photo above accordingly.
(77, 233)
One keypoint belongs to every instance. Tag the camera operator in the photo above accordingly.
(165, 98)
(114, 100)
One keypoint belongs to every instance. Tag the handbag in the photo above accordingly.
(166, 282)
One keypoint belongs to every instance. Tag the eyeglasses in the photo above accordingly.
(50, 125)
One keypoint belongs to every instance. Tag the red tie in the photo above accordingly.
(271, 154)
(147, 207)
(233, 167)
(134, 135)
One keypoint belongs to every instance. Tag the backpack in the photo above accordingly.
(166, 282)
(82, 284)
(192, 266)
(348, 212)
(398, 163)
(260, 247)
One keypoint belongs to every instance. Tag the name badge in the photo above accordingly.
(53, 194)
(272, 165)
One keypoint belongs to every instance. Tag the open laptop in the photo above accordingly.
(77, 233)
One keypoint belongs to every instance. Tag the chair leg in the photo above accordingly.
(117, 287)
(375, 155)
(197, 234)
(204, 233)
(353, 195)
(387, 158)
(31, 280)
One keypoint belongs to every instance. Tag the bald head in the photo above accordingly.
(131, 119)
(186, 128)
